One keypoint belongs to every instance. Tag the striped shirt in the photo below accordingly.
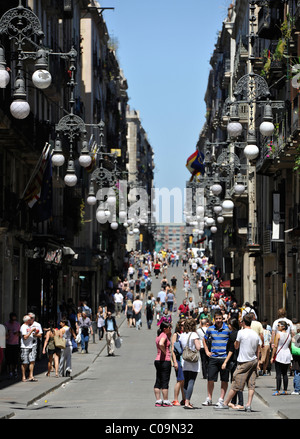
(219, 338)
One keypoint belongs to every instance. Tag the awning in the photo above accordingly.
(225, 284)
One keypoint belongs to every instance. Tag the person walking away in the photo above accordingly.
(51, 350)
(247, 342)
(162, 365)
(265, 350)
(129, 313)
(231, 362)
(111, 330)
(118, 299)
(86, 328)
(100, 322)
(149, 311)
(177, 363)
(170, 299)
(12, 344)
(137, 312)
(281, 356)
(218, 334)
(190, 338)
(65, 362)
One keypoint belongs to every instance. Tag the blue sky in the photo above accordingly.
(164, 48)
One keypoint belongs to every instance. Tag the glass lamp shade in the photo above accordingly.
(41, 79)
(220, 219)
(210, 221)
(136, 230)
(217, 209)
(201, 232)
(266, 128)
(58, 159)
(20, 109)
(234, 129)
(85, 160)
(216, 189)
(111, 200)
(100, 216)
(122, 214)
(70, 179)
(114, 225)
(239, 188)
(200, 210)
(251, 151)
(107, 213)
(142, 221)
(125, 225)
(227, 204)
(130, 232)
(213, 229)
(91, 200)
(4, 78)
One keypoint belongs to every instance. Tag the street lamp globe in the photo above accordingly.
(227, 204)
(91, 200)
(114, 225)
(213, 229)
(239, 188)
(4, 78)
(42, 79)
(216, 188)
(136, 230)
(234, 129)
(200, 210)
(266, 128)
(20, 109)
(100, 215)
(70, 177)
(251, 151)
(220, 219)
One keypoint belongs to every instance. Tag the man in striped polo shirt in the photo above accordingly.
(217, 336)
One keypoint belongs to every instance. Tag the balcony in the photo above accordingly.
(253, 245)
(268, 22)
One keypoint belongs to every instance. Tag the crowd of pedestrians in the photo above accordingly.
(206, 333)
(224, 341)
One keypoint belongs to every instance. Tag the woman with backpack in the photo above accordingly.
(149, 311)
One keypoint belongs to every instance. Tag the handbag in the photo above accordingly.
(118, 342)
(189, 354)
(78, 336)
(60, 342)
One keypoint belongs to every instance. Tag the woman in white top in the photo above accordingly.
(190, 370)
(281, 355)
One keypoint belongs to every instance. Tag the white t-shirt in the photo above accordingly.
(118, 297)
(137, 305)
(201, 332)
(183, 338)
(289, 322)
(26, 344)
(249, 340)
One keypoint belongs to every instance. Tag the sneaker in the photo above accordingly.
(295, 393)
(207, 402)
(175, 402)
(220, 402)
(221, 406)
(248, 408)
(158, 403)
(167, 404)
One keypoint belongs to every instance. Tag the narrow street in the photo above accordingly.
(121, 387)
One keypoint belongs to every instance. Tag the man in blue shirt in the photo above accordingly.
(111, 330)
(217, 335)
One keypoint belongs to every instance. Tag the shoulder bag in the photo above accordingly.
(59, 342)
(189, 354)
